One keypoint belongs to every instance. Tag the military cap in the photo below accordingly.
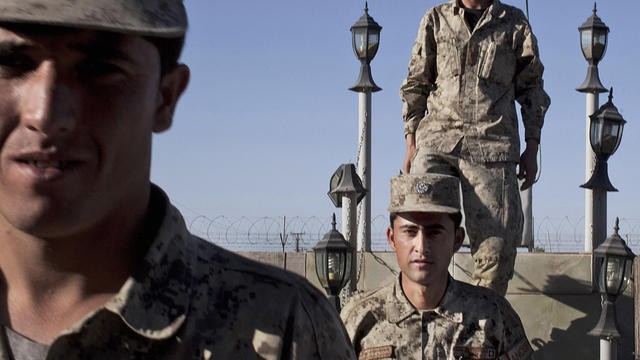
(425, 193)
(158, 18)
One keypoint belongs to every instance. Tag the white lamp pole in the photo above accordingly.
(364, 169)
(366, 38)
(593, 42)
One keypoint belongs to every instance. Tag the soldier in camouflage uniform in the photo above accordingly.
(470, 61)
(425, 313)
(96, 263)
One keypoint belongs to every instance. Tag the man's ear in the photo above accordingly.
(390, 238)
(459, 239)
(172, 85)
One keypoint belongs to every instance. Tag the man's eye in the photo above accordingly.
(16, 63)
(99, 68)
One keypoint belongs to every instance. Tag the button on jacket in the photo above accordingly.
(470, 323)
(467, 81)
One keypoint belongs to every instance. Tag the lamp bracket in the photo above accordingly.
(365, 83)
(600, 177)
(592, 82)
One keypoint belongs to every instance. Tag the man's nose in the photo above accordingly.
(421, 243)
(47, 104)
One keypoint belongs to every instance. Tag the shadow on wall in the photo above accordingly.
(555, 326)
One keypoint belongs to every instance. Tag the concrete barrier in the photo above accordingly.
(550, 291)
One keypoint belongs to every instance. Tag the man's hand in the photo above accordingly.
(411, 151)
(528, 164)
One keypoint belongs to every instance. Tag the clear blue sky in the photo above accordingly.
(267, 116)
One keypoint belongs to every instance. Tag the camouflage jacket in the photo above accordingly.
(190, 299)
(470, 323)
(467, 82)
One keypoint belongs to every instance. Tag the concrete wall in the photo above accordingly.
(550, 291)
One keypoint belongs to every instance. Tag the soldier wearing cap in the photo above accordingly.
(425, 313)
(96, 263)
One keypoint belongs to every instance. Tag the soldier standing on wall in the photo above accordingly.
(471, 60)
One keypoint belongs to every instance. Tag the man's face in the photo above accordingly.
(77, 110)
(424, 244)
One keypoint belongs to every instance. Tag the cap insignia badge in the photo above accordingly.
(423, 187)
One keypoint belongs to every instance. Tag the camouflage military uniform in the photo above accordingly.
(189, 299)
(470, 323)
(468, 81)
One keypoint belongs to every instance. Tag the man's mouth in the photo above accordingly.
(61, 165)
(42, 169)
(422, 261)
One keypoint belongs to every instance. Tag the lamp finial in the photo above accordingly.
(366, 7)
(333, 221)
(611, 94)
(594, 8)
(616, 228)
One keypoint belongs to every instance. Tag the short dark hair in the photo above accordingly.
(455, 217)
(169, 50)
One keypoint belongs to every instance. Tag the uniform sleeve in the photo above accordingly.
(351, 319)
(529, 91)
(359, 318)
(516, 344)
(422, 72)
(316, 331)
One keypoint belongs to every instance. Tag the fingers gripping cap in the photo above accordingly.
(425, 193)
(159, 18)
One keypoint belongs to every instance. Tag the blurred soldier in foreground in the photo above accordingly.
(471, 61)
(425, 313)
(96, 263)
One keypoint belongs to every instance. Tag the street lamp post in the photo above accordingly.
(615, 260)
(333, 256)
(365, 34)
(605, 133)
(346, 191)
(593, 42)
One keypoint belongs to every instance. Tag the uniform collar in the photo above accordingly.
(154, 301)
(398, 307)
(451, 296)
(495, 8)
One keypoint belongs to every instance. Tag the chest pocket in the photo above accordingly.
(378, 352)
(497, 60)
(448, 58)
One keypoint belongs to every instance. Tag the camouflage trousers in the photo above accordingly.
(492, 211)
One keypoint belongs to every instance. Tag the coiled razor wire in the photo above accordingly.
(262, 234)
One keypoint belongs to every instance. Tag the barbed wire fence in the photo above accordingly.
(551, 234)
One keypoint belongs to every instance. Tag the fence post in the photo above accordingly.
(636, 303)
(283, 241)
